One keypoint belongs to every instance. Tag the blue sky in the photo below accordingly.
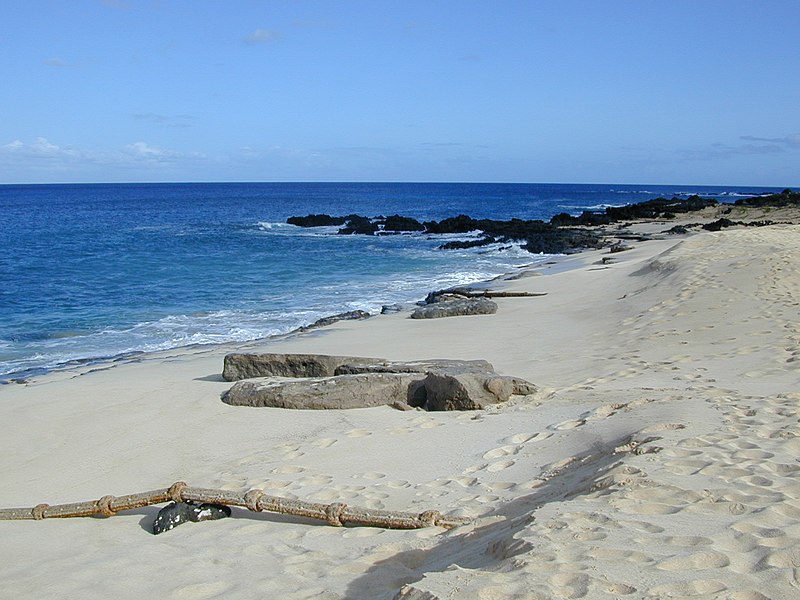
(700, 91)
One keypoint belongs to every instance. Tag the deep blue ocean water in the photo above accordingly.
(100, 270)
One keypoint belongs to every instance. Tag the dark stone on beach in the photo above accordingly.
(409, 592)
(561, 241)
(456, 308)
(316, 221)
(391, 308)
(352, 315)
(238, 366)
(677, 230)
(618, 248)
(174, 514)
(720, 223)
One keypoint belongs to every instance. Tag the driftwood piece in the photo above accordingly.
(473, 293)
(336, 514)
(490, 294)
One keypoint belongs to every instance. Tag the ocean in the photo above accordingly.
(95, 271)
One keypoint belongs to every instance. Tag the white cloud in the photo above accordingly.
(13, 146)
(40, 147)
(145, 150)
(42, 160)
(56, 62)
(262, 36)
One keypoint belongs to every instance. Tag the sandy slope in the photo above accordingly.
(693, 342)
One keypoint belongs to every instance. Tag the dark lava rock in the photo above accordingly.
(677, 230)
(391, 308)
(618, 248)
(649, 209)
(586, 218)
(659, 207)
(561, 241)
(465, 244)
(174, 514)
(720, 223)
(459, 224)
(316, 221)
(786, 198)
(351, 315)
(357, 224)
(398, 223)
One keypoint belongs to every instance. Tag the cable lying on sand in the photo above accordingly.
(336, 514)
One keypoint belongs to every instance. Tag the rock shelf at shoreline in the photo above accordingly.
(563, 233)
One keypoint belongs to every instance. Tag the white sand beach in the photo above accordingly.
(689, 346)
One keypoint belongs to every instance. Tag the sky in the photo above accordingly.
(567, 91)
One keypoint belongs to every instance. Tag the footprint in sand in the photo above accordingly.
(290, 469)
(211, 589)
(502, 451)
(570, 424)
(398, 484)
(372, 475)
(524, 438)
(275, 485)
(500, 465)
(705, 559)
(357, 433)
(465, 482)
(687, 540)
(501, 486)
(324, 442)
(315, 480)
(608, 410)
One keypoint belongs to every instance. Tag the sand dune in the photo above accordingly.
(658, 459)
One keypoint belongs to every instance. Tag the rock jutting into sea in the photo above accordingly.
(562, 234)
(535, 235)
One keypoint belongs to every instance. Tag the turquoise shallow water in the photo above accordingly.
(92, 271)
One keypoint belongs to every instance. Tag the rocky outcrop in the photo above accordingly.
(536, 235)
(339, 392)
(316, 221)
(350, 315)
(246, 366)
(324, 382)
(454, 389)
(455, 307)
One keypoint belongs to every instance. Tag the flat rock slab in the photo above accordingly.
(246, 366)
(339, 392)
(456, 308)
(358, 382)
